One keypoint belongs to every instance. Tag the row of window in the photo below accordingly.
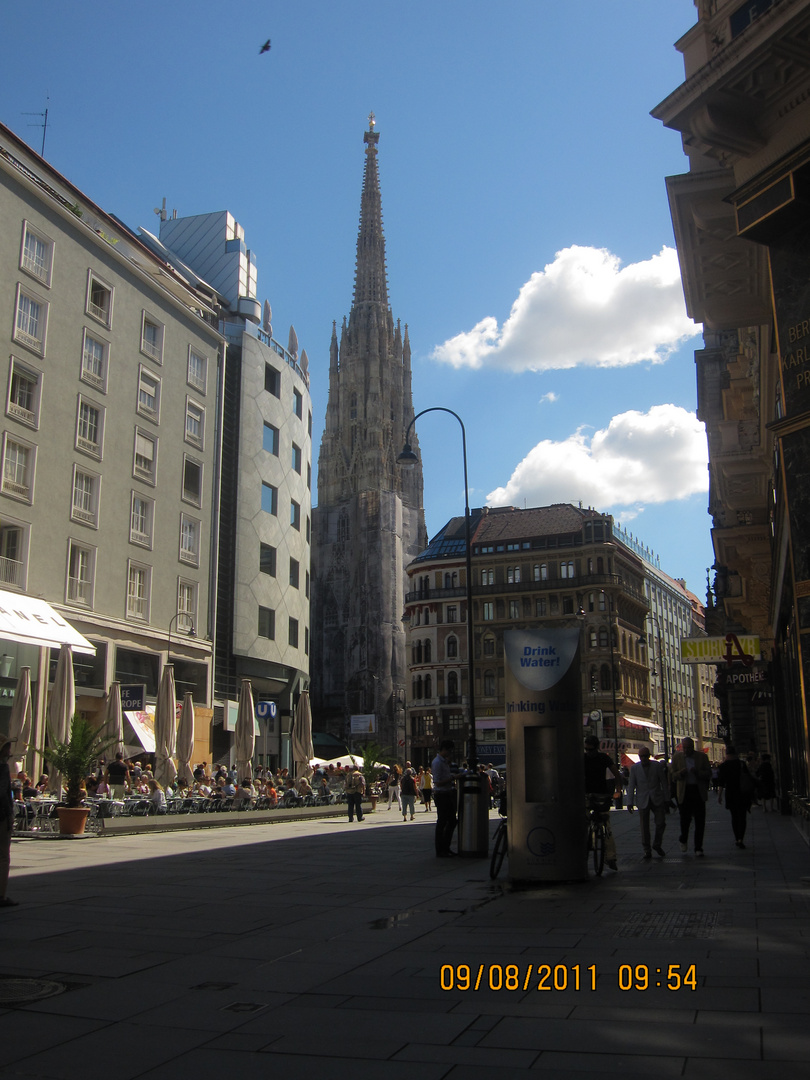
(267, 565)
(31, 314)
(269, 503)
(270, 441)
(80, 586)
(421, 651)
(19, 469)
(272, 385)
(25, 394)
(267, 628)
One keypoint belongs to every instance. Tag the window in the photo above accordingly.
(309, 477)
(452, 685)
(292, 635)
(514, 609)
(86, 488)
(267, 623)
(23, 394)
(267, 560)
(512, 575)
(489, 611)
(272, 381)
(298, 405)
(81, 572)
(566, 569)
(428, 686)
(270, 439)
(195, 423)
(489, 684)
(94, 361)
(197, 370)
(152, 338)
(452, 613)
(148, 394)
(99, 300)
(138, 592)
(30, 321)
(451, 648)
(90, 428)
(295, 573)
(37, 254)
(540, 606)
(427, 651)
(141, 516)
(309, 424)
(13, 553)
(568, 605)
(489, 646)
(295, 515)
(306, 583)
(186, 605)
(296, 458)
(19, 459)
(145, 465)
(192, 481)
(189, 540)
(487, 577)
(309, 528)
(269, 499)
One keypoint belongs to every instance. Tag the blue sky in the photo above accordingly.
(526, 218)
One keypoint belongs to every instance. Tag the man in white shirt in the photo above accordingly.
(648, 788)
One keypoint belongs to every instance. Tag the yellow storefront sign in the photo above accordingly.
(732, 648)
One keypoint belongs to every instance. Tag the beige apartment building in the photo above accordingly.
(109, 461)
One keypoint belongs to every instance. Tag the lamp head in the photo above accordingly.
(407, 456)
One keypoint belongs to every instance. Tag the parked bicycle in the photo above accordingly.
(598, 829)
(500, 841)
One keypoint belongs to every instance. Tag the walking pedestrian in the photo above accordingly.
(736, 783)
(692, 774)
(444, 795)
(393, 787)
(766, 779)
(426, 788)
(6, 824)
(408, 789)
(647, 788)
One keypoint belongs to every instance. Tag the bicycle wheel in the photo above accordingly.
(498, 851)
(599, 843)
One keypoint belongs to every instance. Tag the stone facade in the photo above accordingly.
(369, 522)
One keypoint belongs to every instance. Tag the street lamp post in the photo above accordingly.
(192, 633)
(664, 687)
(408, 457)
(609, 605)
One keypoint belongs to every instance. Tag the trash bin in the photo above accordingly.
(473, 817)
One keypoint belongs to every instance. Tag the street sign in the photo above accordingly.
(133, 698)
(266, 710)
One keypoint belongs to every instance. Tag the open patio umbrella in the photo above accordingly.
(165, 728)
(301, 738)
(19, 732)
(245, 734)
(114, 724)
(61, 706)
(185, 739)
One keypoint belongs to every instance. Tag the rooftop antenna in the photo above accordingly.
(43, 125)
(161, 211)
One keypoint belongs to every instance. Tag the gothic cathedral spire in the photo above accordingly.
(369, 522)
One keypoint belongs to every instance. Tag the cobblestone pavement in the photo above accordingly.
(330, 948)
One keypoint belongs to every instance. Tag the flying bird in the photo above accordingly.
(265, 48)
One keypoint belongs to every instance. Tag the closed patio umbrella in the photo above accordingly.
(114, 726)
(19, 732)
(165, 728)
(185, 739)
(61, 706)
(301, 737)
(245, 734)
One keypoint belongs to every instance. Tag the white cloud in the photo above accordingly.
(639, 458)
(583, 309)
(550, 397)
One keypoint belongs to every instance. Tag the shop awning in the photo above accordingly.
(636, 721)
(31, 621)
(142, 725)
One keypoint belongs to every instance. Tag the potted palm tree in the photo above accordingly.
(74, 759)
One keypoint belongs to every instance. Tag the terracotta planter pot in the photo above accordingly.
(72, 819)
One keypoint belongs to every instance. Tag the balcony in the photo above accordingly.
(12, 572)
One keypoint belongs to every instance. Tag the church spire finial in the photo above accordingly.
(370, 280)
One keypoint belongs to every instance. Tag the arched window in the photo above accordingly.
(452, 685)
(489, 646)
(427, 616)
(427, 651)
(603, 637)
(604, 677)
(428, 686)
(418, 653)
(451, 648)
(592, 637)
(543, 571)
(418, 690)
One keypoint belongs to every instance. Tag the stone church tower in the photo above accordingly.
(369, 522)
